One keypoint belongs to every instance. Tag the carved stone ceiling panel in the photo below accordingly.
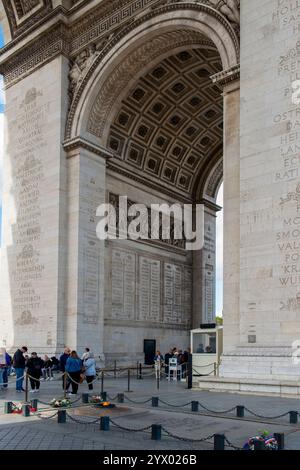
(170, 126)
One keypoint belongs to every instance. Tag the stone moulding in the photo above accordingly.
(225, 77)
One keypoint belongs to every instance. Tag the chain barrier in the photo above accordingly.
(78, 421)
(45, 418)
(266, 417)
(174, 406)
(111, 398)
(123, 428)
(20, 378)
(185, 439)
(217, 412)
(233, 446)
(138, 402)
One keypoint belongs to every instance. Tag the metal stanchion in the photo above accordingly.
(85, 398)
(195, 406)
(137, 370)
(156, 432)
(102, 382)
(104, 396)
(128, 381)
(190, 372)
(157, 382)
(26, 410)
(61, 416)
(219, 442)
(293, 417)
(65, 384)
(104, 423)
(115, 369)
(120, 397)
(26, 387)
(140, 372)
(240, 411)
(215, 369)
(280, 440)
(8, 406)
(155, 402)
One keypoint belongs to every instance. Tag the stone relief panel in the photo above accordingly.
(150, 289)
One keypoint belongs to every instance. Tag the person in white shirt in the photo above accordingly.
(89, 365)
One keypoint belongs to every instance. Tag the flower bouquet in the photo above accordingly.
(269, 441)
(60, 403)
(17, 408)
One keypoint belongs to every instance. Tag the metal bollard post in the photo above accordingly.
(26, 387)
(156, 432)
(155, 402)
(219, 442)
(65, 384)
(104, 396)
(215, 369)
(61, 416)
(115, 369)
(293, 417)
(259, 445)
(190, 372)
(85, 398)
(157, 382)
(280, 439)
(195, 406)
(240, 411)
(102, 382)
(104, 423)
(128, 381)
(34, 404)
(120, 397)
(140, 372)
(137, 370)
(26, 410)
(8, 406)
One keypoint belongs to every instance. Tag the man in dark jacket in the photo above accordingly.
(34, 370)
(19, 366)
(62, 361)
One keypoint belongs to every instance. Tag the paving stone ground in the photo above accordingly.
(34, 433)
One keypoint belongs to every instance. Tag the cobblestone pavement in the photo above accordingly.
(18, 432)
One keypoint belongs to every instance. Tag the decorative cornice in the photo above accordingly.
(80, 143)
(40, 52)
(20, 21)
(225, 77)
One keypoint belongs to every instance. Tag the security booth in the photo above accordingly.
(206, 348)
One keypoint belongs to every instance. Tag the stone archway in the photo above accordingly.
(125, 88)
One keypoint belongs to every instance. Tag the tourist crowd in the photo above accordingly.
(75, 369)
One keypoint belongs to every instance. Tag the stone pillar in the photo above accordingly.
(204, 271)
(231, 256)
(32, 252)
(86, 190)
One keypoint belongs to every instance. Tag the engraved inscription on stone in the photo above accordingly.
(149, 289)
(177, 294)
(123, 285)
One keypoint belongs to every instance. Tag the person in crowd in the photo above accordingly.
(47, 369)
(62, 364)
(55, 363)
(34, 369)
(7, 370)
(19, 366)
(73, 368)
(86, 354)
(200, 349)
(158, 363)
(89, 365)
(168, 356)
(3, 367)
